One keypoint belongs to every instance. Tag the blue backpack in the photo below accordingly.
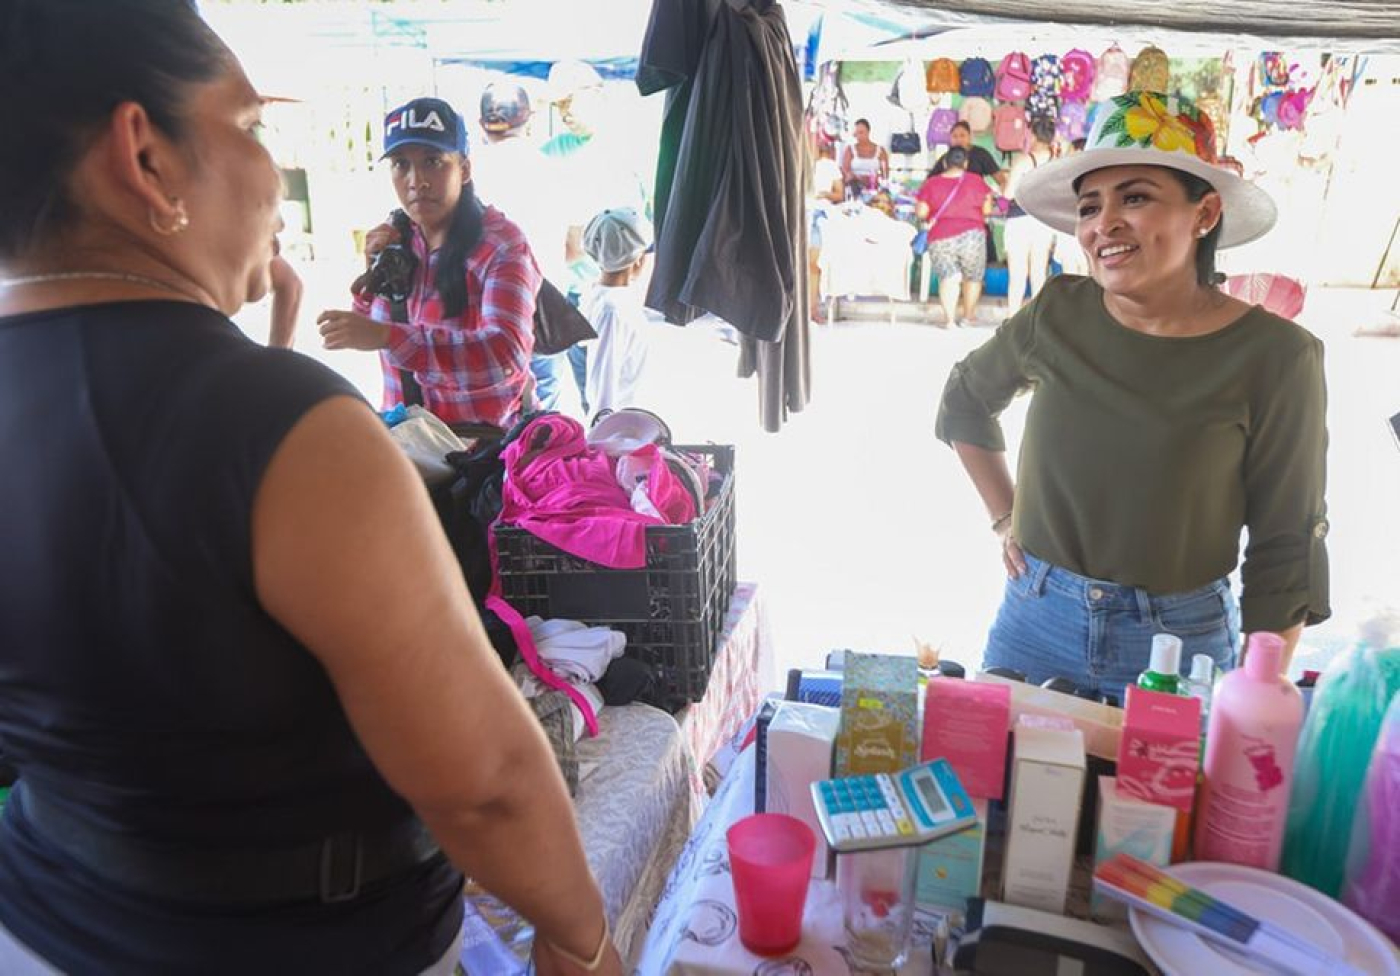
(976, 78)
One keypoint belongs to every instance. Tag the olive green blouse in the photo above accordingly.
(1144, 456)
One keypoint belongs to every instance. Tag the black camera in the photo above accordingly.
(391, 274)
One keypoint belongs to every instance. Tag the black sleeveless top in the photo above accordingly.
(142, 686)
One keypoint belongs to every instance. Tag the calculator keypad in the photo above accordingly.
(863, 807)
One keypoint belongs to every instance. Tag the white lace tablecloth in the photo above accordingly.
(696, 933)
(643, 783)
(635, 810)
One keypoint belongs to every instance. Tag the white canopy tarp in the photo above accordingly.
(1361, 26)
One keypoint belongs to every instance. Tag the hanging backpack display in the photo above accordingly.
(1293, 109)
(1046, 75)
(1009, 128)
(1273, 70)
(1014, 78)
(1042, 108)
(1076, 75)
(940, 126)
(1043, 103)
(977, 113)
(1111, 80)
(942, 76)
(827, 107)
(976, 78)
(1151, 71)
(1072, 122)
(1212, 105)
(912, 96)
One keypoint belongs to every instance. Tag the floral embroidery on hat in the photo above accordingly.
(1149, 120)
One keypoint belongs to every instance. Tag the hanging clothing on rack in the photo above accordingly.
(731, 185)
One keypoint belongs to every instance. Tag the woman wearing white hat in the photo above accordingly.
(1166, 418)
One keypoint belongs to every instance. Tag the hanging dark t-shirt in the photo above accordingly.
(143, 688)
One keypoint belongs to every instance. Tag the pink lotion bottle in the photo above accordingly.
(1256, 716)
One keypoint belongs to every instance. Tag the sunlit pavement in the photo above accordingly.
(861, 528)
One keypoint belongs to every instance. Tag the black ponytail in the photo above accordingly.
(463, 236)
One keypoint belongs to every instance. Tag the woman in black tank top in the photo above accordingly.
(256, 722)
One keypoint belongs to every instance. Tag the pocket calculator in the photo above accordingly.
(904, 809)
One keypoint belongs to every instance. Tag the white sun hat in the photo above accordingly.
(1148, 129)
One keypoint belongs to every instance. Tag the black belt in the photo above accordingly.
(333, 869)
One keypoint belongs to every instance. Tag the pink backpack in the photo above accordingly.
(1111, 80)
(1013, 78)
(1076, 76)
(1009, 128)
(940, 126)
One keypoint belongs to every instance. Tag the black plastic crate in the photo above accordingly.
(672, 611)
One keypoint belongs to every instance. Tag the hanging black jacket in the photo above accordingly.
(730, 192)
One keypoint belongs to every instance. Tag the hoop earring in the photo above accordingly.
(178, 223)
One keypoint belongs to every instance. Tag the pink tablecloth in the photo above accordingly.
(743, 673)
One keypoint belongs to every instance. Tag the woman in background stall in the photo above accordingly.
(865, 165)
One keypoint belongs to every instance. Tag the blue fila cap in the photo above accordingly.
(425, 122)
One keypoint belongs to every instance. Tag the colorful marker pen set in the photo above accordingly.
(1157, 893)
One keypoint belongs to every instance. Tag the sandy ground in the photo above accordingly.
(861, 528)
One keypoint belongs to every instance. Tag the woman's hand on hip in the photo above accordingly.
(1011, 555)
(351, 330)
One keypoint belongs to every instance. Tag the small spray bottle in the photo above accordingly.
(1201, 683)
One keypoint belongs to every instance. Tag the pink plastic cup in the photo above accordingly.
(770, 855)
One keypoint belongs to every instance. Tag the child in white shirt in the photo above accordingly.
(618, 240)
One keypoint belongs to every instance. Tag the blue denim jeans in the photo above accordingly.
(547, 370)
(1054, 623)
(578, 362)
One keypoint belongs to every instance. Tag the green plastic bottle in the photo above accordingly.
(1164, 670)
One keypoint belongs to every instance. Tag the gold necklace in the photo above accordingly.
(134, 279)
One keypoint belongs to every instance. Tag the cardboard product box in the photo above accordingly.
(1129, 826)
(879, 715)
(1047, 782)
(1101, 724)
(1160, 752)
(966, 723)
(800, 738)
(760, 754)
(1034, 721)
(950, 868)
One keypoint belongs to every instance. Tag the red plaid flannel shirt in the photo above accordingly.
(472, 368)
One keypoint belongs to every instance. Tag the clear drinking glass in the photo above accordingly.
(877, 903)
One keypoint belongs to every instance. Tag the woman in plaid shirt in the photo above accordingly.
(462, 343)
